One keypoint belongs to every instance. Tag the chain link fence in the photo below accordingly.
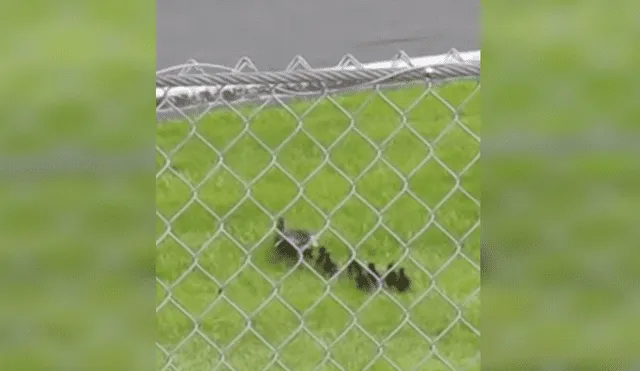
(378, 163)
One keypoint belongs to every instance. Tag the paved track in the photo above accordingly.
(272, 32)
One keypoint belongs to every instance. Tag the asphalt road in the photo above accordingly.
(272, 32)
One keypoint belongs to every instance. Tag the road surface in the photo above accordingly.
(272, 32)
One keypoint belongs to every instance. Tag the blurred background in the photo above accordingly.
(560, 184)
(77, 189)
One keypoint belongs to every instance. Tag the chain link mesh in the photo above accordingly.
(384, 175)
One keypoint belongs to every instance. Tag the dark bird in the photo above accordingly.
(372, 268)
(403, 282)
(329, 267)
(323, 255)
(282, 247)
(391, 278)
(373, 274)
(354, 269)
(293, 242)
(307, 254)
(363, 282)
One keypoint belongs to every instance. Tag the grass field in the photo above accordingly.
(233, 177)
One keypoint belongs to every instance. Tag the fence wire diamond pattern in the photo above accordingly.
(385, 175)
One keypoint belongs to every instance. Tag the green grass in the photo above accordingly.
(72, 77)
(233, 247)
(560, 72)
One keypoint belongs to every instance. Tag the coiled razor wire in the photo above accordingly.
(323, 77)
(232, 86)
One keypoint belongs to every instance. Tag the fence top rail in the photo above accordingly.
(325, 77)
(201, 83)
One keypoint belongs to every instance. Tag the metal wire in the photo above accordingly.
(215, 87)
(328, 78)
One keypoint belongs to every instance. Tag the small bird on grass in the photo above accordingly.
(307, 254)
(373, 274)
(403, 282)
(329, 267)
(324, 263)
(374, 271)
(354, 269)
(292, 243)
(323, 255)
(363, 282)
(391, 279)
